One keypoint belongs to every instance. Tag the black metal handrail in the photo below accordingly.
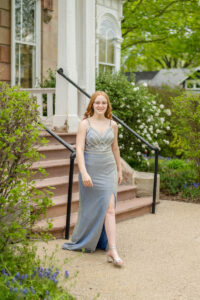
(60, 71)
(71, 171)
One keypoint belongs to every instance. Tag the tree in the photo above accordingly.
(160, 34)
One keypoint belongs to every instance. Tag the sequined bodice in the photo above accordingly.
(95, 142)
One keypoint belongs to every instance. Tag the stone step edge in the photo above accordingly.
(147, 201)
(52, 163)
(53, 147)
(45, 133)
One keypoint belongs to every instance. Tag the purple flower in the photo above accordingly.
(47, 292)
(66, 274)
(22, 277)
(15, 290)
(17, 275)
(24, 291)
(40, 275)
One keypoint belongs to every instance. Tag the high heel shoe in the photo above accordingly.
(118, 262)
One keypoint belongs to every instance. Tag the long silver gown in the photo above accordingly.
(89, 232)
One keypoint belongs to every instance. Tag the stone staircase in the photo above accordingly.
(57, 163)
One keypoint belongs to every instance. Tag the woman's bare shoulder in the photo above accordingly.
(83, 124)
(114, 124)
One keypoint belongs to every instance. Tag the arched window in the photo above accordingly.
(107, 35)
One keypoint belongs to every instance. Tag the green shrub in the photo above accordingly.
(177, 177)
(21, 204)
(186, 120)
(139, 110)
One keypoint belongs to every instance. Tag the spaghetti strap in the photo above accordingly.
(88, 121)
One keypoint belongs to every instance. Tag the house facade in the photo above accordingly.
(81, 36)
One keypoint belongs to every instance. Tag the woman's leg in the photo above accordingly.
(110, 226)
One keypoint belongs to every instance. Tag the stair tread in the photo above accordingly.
(54, 181)
(45, 133)
(59, 200)
(122, 206)
(52, 147)
(51, 163)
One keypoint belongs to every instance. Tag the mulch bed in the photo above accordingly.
(178, 197)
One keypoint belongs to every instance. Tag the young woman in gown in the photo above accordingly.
(100, 172)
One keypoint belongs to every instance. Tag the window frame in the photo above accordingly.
(37, 44)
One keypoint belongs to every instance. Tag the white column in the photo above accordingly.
(66, 108)
(86, 48)
(117, 43)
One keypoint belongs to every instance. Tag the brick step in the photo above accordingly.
(54, 168)
(54, 152)
(125, 209)
(70, 138)
(60, 203)
(59, 184)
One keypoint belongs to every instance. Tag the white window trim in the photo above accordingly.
(194, 82)
(37, 43)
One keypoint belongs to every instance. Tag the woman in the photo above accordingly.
(100, 171)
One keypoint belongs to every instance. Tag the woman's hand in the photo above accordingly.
(120, 177)
(87, 181)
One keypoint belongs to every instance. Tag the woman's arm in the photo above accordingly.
(80, 146)
(116, 152)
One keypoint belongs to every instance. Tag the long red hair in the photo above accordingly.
(90, 110)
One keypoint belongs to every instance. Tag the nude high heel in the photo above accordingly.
(118, 262)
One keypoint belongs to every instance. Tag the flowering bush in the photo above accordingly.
(140, 111)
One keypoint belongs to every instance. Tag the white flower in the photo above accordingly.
(133, 83)
(131, 148)
(120, 126)
(166, 142)
(168, 112)
(120, 135)
(157, 114)
(162, 120)
(168, 128)
(138, 153)
(143, 145)
(138, 121)
(143, 110)
(162, 106)
(158, 130)
(136, 89)
(153, 102)
(144, 84)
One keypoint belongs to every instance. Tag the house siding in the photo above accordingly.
(5, 40)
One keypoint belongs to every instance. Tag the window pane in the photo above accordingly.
(101, 68)
(198, 84)
(28, 28)
(190, 85)
(18, 19)
(25, 63)
(109, 69)
(110, 52)
(102, 50)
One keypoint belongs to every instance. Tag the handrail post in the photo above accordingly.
(68, 214)
(155, 181)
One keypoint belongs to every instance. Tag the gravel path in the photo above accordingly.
(161, 256)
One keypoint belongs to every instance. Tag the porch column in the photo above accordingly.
(66, 108)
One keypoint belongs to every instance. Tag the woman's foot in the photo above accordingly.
(112, 256)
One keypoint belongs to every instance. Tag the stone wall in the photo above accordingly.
(5, 40)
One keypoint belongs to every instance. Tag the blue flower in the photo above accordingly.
(17, 275)
(40, 275)
(66, 274)
(24, 291)
(15, 290)
(47, 292)
(22, 277)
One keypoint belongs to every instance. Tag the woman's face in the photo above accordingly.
(100, 105)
